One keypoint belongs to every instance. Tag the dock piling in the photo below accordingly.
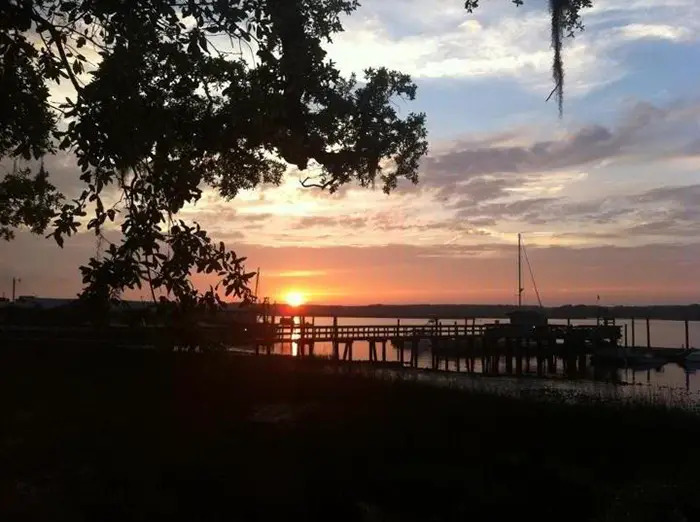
(336, 344)
(648, 335)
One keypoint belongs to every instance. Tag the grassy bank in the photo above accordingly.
(136, 435)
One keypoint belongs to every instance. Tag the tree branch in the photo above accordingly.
(305, 184)
(87, 37)
(56, 37)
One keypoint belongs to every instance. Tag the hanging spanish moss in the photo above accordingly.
(557, 9)
(566, 20)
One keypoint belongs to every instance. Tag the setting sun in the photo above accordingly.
(295, 298)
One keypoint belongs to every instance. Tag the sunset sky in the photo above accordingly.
(608, 197)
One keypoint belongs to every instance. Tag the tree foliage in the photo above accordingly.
(566, 20)
(27, 200)
(169, 97)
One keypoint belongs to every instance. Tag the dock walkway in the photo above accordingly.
(445, 341)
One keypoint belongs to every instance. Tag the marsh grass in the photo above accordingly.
(139, 435)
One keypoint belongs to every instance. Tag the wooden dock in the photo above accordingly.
(448, 342)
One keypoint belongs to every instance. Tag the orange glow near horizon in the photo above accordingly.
(409, 275)
(295, 298)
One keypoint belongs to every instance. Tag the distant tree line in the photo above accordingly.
(461, 312)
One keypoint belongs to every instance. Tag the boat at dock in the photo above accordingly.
(627, 357)
(692, 357)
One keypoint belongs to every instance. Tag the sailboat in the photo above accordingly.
(527, 318)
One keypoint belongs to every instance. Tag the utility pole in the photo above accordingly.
(520, 273)
(257, 282)
(15, 280)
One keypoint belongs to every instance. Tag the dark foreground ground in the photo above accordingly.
(138, 436)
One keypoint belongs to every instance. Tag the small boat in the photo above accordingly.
(692, 357)
(626, 358)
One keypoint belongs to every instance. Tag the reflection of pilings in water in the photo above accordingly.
(413, 361)
(569, 365)
(582, 365)
(616, 376)
(509, 356)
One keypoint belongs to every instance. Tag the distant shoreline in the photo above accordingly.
(461, 311)
(441, 311)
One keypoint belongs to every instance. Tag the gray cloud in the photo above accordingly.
(331, 221)
(477, 189)
(483, 168)
(692, 148)
(588, 235)
(62, 167)
(686, 197)
(672, 212)
(519, 209)
(663, 227)
(467, 162)
(235, 235)
(254, 218)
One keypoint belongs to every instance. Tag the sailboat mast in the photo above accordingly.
(520, 272)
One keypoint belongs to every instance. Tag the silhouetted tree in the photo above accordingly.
(27, 200)
(167, 97)
(566, 20)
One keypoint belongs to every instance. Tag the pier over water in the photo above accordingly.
(445, 341)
